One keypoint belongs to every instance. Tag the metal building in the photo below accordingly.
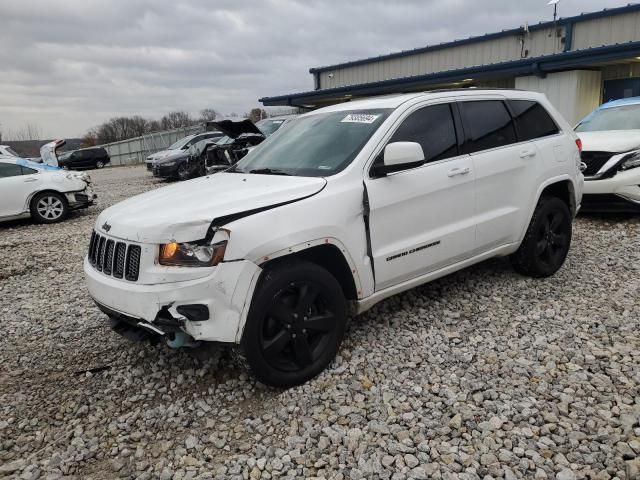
(578, 62)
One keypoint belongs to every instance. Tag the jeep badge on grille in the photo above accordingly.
(106, 227)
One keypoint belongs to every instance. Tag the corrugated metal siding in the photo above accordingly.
(606, 31)
(615, 72)
(541, 42)
(135, 150)
(574, 93)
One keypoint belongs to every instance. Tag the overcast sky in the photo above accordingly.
(68, 65)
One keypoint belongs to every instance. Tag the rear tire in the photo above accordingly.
(99, 164)
(49, 207)
(295, 324)
(546, 243)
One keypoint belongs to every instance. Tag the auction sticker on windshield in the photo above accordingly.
(360, 118)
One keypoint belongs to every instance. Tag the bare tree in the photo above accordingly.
(208, 114)
(29, 131)
(256, 114)
(176, 120)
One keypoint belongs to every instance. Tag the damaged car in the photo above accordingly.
(388, 193)
(610, 138)
(179, 148)
(240, 137)
(43, 192)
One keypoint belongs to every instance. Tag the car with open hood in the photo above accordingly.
(240, 137)
(43, 192)
(386, 194)
(610, 138)
(214, 155)
(179, 149)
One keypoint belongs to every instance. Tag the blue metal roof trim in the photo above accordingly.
(526, 66)
(620, 103)
(632, 7)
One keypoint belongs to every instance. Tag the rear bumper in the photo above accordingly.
(226, 293)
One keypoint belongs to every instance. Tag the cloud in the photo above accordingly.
(68, 65)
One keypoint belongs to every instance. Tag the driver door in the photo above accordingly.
(423, 219)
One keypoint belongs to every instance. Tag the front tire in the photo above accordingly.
(295, 324)
(183, 171)
(546, 243)
(49, 207)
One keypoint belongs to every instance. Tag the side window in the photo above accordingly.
(28, 171)
(433, 128)
(487, 124)
(532, 120)
(9, 170)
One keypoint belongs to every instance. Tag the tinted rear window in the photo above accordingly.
(532, 120)
(487, 124)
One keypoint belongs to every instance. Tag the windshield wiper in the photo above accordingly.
(269, 171)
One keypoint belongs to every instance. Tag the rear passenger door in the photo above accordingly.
(507, 171)
(422, 219)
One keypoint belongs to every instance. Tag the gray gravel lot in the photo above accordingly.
(483, 374)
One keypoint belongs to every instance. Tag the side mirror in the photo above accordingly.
(399, 156)
(403, 154)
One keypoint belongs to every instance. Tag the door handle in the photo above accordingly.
(527, 153)
(458, 171)
(31, 180)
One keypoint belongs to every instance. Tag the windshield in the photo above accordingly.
(318, 145)
(268, 126)
(180, 143)
(626, 117)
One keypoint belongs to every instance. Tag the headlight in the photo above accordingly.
(632, 160)
(192, 254)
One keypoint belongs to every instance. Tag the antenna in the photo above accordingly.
(555, 9)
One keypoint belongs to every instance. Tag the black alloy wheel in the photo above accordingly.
(295, 324)
(552, 239)
(546, 243)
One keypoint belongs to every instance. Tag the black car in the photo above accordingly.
(96, 157)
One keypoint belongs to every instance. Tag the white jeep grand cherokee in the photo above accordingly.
(341, 208)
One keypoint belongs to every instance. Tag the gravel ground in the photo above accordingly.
(483, 374)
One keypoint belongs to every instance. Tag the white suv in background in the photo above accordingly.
(348, 205)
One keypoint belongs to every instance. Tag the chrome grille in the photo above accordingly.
(118, 259)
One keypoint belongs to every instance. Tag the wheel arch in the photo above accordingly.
(327, 253)
(33, 195)
(564, 190)
(562, 187)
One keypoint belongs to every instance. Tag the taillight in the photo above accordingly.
(579, 144)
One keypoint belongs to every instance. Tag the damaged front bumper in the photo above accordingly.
(223, 296)
(81, 199)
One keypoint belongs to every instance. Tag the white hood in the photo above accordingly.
(184, 211)
(610, 141)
